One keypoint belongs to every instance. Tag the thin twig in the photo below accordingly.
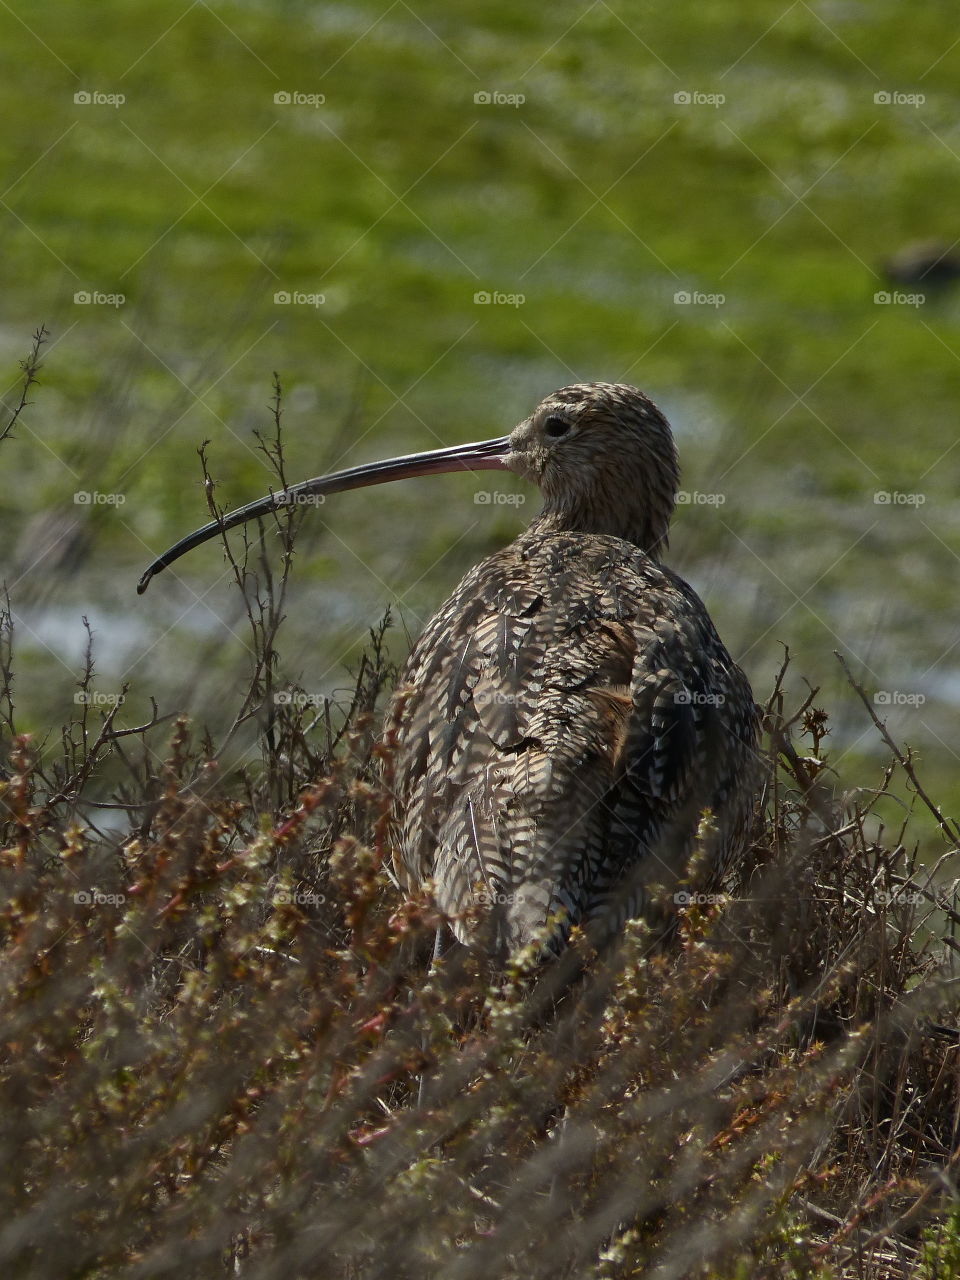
(31, 367)
(950, 830)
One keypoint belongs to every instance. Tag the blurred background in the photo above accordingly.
(424, 220)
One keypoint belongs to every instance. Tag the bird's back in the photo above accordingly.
(562, 724)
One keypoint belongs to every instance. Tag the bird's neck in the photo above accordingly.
(573, 519)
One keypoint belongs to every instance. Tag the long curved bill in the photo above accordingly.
(488, 455)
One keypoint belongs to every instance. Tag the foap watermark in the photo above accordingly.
(898, 698)
(497, 498)
(894, 498)
(896, 298)
(294, 698)
(94, 298)
(493, 898)
(694, 498)
(94, 898)
(695, 98)
(298, 298)
(684, 898)
(295, 98)
(494, 698)
(686, 298)
(94, 498)
(494, 298)
(298, 898)
(286, 498)
(893, 98)
(496, 98)
(691, 698)
(95, 98)
(94, 698)
(898, 898)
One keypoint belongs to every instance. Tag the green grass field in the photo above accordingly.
(222, 1050)
(157, 163)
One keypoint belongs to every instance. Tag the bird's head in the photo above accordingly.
(601, 452)
(603, 456)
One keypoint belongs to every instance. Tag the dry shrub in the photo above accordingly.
(225, 1049)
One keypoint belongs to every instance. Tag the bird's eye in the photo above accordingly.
(555, 426)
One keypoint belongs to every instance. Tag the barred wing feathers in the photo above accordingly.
(561, 725)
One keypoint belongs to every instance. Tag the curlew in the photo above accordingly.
(570, 714)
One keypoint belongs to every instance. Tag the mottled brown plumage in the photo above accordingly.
(570, 712)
